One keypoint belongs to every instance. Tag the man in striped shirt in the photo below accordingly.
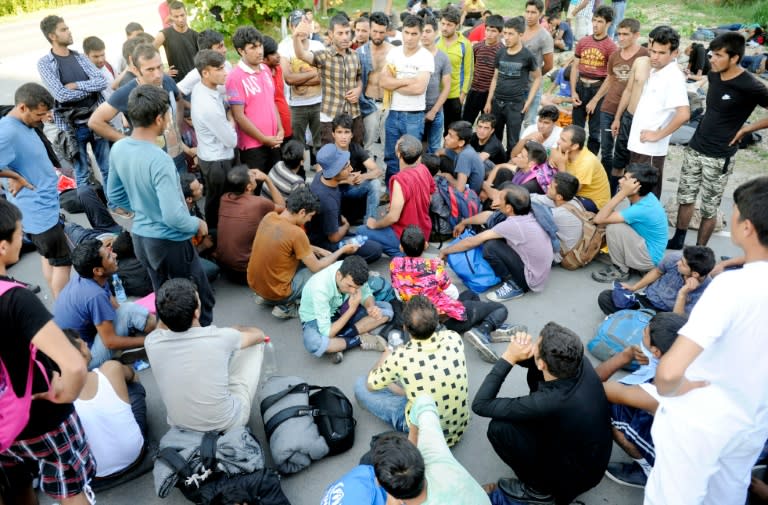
(485, 61)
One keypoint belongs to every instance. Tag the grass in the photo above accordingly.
(15, 7)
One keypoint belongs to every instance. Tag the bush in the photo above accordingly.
(235, 13)
(14, 7)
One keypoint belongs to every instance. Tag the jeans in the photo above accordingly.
(587, 93)
(169, 259)
(399, 123)
(210, 268)
(606, 146)
(374, 127)
(300, 278)
(618, 16)
(138, 397)
(303, 117)
(505, 262)
(383, 404)
(433, 132)
(384, 236)
(100, 146)
(370, 189)
(317, 343)
(509, 114)
(533, 110)
(180, 162)
(130, 318)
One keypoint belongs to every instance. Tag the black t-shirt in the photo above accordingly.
(22, 315)
(180, 48)
(494, 148)
(699, 60)
(71, 71)
(357, 157)
(328, 219)
(729, 104)
(512, 83)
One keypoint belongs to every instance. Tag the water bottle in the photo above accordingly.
(361, 239)
(269, 365)
(119, 289)
(394, 339)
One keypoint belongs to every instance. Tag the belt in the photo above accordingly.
(378, 100)
(590, 82)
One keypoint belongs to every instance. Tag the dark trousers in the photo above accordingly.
(473, 105)
(587, 93)
(605, 301)
(477, 312)
(96, 210)
(263, 158)
(657, 162)
(170, 259)
(509, 114)
(451, 112)
(606, 146)
(138, 397)
(215, 178)
(505, 262)
(620, 149)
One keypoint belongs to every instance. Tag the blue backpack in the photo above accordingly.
(619, 331)
(472, 268)
(449, 206)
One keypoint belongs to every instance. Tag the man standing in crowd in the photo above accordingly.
(459, 50)
(362, 27)
(373, 57)
(539, 42)
(144, 180)
(179, 42)
(76, 85)
(485, 63)
(708, 159)
(438, 88)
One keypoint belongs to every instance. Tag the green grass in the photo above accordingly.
(14, 7)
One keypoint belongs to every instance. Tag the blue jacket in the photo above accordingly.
(367, 105)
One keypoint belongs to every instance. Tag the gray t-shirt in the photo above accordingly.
(569, 227)
(442, 67)
(539, 45)
(192, 373)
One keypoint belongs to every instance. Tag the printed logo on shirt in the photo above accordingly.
(335, 495)
(510, 68)
(726, 97)
(593, 57)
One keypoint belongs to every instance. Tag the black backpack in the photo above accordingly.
(330, 408)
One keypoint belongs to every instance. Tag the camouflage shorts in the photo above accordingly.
(705, 173)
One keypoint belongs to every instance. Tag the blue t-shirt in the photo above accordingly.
(82, 305)
(22, 151)
(567, 35)
(563, 84)
(648, 219)
(468, 162)
(119, 99)
(663, 292)
(357, 487)
(328, 218)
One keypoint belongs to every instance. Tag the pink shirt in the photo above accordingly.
(256, 93)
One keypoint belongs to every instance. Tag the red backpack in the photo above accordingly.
(14, 410)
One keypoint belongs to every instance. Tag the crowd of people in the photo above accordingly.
(297, 207)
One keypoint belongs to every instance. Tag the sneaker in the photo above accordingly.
(507, 291)
(610, 274)
(285, 311)
(258, 300)
(516, 490)
(336, 357)
(627, 474)
(130, 356)
(371, 342)
(505, 332)
(121, 213)
(480, 340)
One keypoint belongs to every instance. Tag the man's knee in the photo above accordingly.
(314, 342)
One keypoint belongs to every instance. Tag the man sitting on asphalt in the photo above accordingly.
(571, 156)
(459, 162)
(281, 257)
(218, 368)
(87, 306)
(637, 235)
(416, 368)
(338, 310)
(545, 131)
(561, 198)
(674, 285)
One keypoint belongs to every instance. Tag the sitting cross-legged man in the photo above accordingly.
(87, 305)
(338, 310)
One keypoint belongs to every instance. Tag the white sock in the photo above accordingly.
(644, 465)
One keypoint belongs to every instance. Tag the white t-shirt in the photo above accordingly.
(285, 49)
(187, 84)
(409, 67)
(663, 92)
(549, 142)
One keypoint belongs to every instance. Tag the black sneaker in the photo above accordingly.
(627, 474)
(480, 340)
(516, 490)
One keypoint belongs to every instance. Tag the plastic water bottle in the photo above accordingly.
(361, 239)
(269, 365)
(394, 339)
(119, 289)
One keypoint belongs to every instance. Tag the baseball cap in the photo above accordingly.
(332, 160)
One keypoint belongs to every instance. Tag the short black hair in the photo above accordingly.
(186, 181)
(145, 104)
(567, 185)
(631, 23)
(246, 35)
(91, 44)
(176, 303)
(432, 162)
(420, 317)
(487, 118)
(176, 5)
(412, 21)
(664, 328)
(380, 19)
(605, 12)
(646, 174)
(301, 197)
(340, 19)
(86, 256)
(412, 241)
(356, 267)
(516, 23)
(123, 245)
(494, 21)
(10, 215)
(209, 38)
(733, 43)
(578, 134)
(33, 95)
(238, 179)
(536, 3)
(463, 130)
(700, 259)
(361, 19)
(666, 35)
(293, 154)
(561, 349)
(130, 45)
(133, 26)
(48, 25)
(451, 14)
(398, 466)
(410, 148)
(519, 198)
(502, 175)
(270, 45)
(142, 51)
(343, 120)
(536, 152)
(750, 199)
(549, 112)
(208, 58)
